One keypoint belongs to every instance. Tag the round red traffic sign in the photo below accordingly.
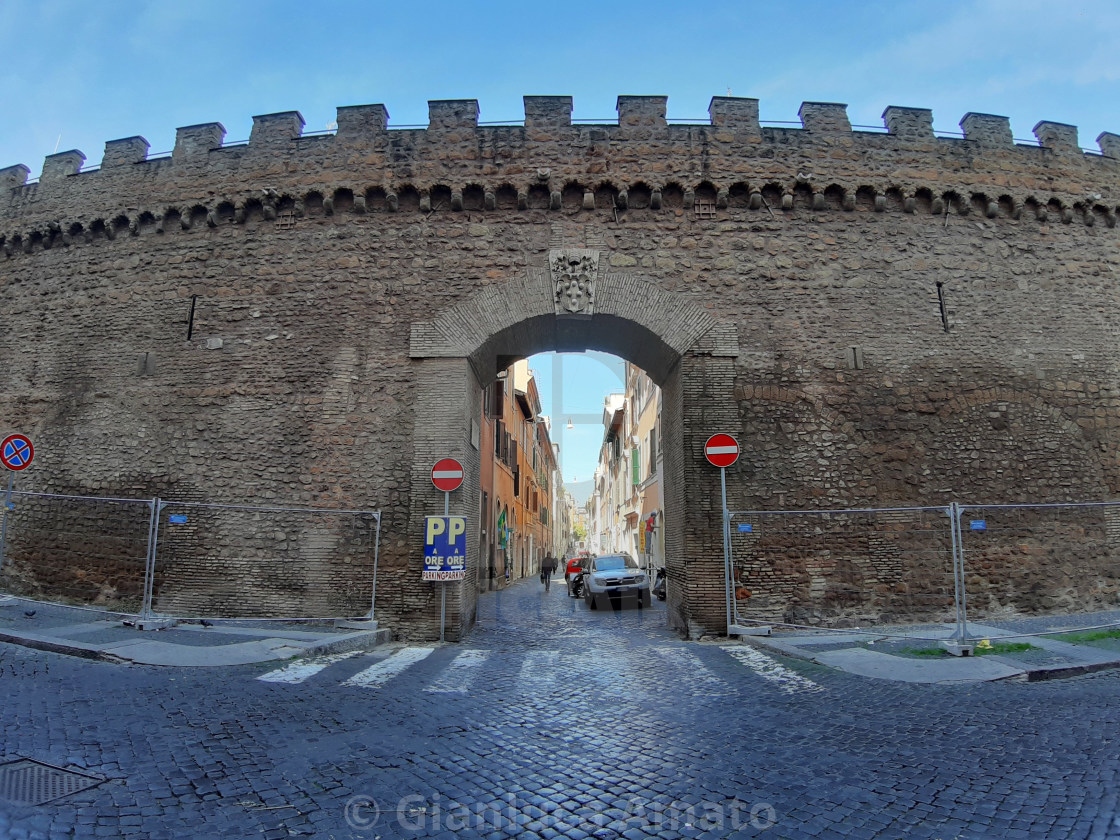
(16, 452)
(447, 475)
(721, 450)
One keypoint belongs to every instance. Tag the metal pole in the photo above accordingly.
(7, 507)
(726, 545)
(957, 541)
(960, 561)
(443, 583)
(376, 557)
(951, 511)
(150, 571)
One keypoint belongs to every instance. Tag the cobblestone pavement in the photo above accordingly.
(556, 721)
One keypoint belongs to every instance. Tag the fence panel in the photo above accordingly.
(842, 566)
(1041, 558)
(77, 550)
(228, 561)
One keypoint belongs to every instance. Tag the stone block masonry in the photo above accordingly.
(881, 317)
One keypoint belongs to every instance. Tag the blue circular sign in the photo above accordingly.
(16, 452)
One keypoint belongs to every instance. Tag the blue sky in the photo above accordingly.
(572, 387)
(76, 74)
(96, 71)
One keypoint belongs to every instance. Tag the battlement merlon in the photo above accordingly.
(196, 141)
(1060, 138)
(1109, 143)
(637, 115)
(272, 130)
(735, 113)
(61, 165)
(547, 111)
(452, 114)
(987, 130)
(125, 152)
(911, 123)
(825, 117)
(12, 177)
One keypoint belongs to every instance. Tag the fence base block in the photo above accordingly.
(151, 623)
(356, 624)
(958, 648)
(740, 630)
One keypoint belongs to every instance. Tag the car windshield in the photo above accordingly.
(615, 562)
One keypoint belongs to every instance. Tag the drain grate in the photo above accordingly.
(28, 782)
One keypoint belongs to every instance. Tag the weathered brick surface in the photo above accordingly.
(352, 293)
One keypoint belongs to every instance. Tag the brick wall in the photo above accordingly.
(352, 294)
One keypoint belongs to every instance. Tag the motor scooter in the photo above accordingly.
(659, 584)
(575, 585)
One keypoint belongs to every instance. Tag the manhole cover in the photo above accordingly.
(28, 782)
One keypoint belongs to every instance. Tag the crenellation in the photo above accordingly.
(910, 123)
(735, 113)
(1060, 138)
(641, 112)
(196, 141)
(61, 164)
(987, 129)
(357, 123)
(452, 114)
(271, 130)
(824, 117)
(547, 111)
(125, 152)
(1109, 143)
(13, 177)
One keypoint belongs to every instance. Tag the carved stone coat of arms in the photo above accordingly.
(574, 271)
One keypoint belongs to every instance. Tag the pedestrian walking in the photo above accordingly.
(548, 566)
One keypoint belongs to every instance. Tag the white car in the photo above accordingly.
(612, 576)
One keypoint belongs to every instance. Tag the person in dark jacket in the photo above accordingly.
(548, 566)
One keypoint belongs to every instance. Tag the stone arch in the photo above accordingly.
(996, 438)
(686, 349)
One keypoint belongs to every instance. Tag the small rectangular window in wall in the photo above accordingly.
(855, 358)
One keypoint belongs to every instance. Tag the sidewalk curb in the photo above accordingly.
(52, 644)
(360, 640)
(1036, 674)
(1060, 672)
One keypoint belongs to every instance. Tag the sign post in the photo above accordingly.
(16, 453)
(722, 451)
(444, 559)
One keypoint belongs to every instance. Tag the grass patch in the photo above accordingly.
(924, 651)
(1086, 636)
(1004, 647)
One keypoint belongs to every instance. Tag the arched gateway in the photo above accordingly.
(883, 318)
(674, 340)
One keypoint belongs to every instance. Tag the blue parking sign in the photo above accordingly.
(445, 548)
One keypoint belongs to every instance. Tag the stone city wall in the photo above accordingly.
(919, 318)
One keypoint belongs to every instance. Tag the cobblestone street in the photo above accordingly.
(555, 721)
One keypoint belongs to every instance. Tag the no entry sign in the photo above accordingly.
(721, 450)
(447, 475)
(16, 452)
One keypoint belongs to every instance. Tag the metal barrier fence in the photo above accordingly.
(813, 567)
(905, 565)
(80, 550)
(190, 559)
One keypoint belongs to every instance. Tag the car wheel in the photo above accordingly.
(643, 599)
(589, 599)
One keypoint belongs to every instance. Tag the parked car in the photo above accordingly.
(615, 577)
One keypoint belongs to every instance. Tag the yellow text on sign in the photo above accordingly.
(448, 527)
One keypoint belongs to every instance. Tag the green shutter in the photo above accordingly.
(636, 465)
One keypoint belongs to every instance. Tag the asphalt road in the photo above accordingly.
(556, 721)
